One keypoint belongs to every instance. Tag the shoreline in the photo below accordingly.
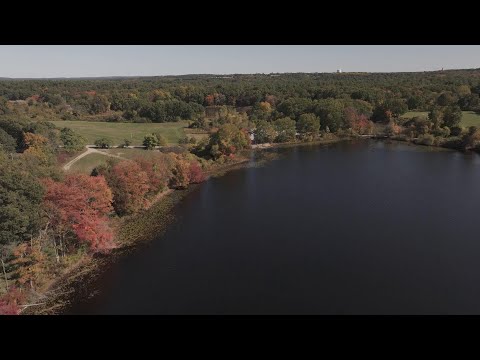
(132, 231)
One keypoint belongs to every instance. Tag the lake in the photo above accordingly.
(361, 227)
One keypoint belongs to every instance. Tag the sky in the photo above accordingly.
(41, 61)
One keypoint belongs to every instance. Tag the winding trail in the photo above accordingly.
(90, 150)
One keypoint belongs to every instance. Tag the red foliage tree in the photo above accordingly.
(210, 100)
(157, 170)
(129, 185)
(81, 203)
(196, 174)
(271, 99)
(9, 303)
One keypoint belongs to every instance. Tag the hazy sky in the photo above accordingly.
(106, 60)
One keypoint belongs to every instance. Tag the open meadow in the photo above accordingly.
(469, 118)
(117, 132)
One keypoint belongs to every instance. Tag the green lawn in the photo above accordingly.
(130, 153)
(469, 118)
(412, 114)
(88, 163)
(117, 132)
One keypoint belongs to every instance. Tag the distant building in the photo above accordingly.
(339, 71)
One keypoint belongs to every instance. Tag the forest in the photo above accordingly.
(50, 219)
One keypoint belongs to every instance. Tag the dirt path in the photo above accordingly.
(90, 150)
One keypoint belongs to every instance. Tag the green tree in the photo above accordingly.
(330, 112)
(264, 132)
(285, 128)
(126, 143)
(162, 140)
(71, 140)
(396, 106)
(452, 116)
(415, 102)
(435, 116)
(294, 107)
(7, 142)
(3, 106)
(308, 126)
(20, 202)
(446, 99)
(469, 102)
(99, 104)
(150, 141)
(103, 143)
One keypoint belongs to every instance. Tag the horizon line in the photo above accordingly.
(230, 74)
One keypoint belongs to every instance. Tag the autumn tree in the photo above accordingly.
(158, 170)
(196, 174)
(129, 185)
(262, 110)
(80, 205)
(358, 122)
(180, 174)
(228, 140)
(392, 128)
(10, 302)
(28, 264)
(271, 99)
(38, 146)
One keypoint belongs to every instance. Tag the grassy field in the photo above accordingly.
(88, 163)
(130, 153)
(469, 118)
(117, 132)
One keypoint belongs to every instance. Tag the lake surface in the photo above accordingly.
(364, 227)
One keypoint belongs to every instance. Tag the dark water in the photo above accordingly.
(354, 228)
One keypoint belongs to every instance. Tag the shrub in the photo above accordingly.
(103, 143)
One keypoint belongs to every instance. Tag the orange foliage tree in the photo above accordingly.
(129, 184)
(180, 174)
(29, 264)
(37, 146)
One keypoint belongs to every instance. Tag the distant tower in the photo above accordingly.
(339, 71)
